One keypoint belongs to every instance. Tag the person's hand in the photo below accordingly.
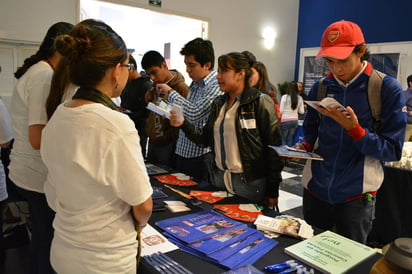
(345, 117)
(176, 118)
(163, 89)
(299, 146)
(271, 202)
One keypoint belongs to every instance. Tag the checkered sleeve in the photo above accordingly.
(196, 109)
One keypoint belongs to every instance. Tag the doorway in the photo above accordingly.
(145, 29)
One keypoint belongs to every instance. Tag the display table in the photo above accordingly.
(393, 216)
(198, 266)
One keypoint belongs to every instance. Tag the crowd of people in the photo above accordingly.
(78, 158)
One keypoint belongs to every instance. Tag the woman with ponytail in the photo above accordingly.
(26, 168)
(97, 182)
(290, 105)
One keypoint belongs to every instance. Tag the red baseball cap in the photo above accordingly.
(339, 39)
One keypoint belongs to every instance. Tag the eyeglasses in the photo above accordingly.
(129, 66)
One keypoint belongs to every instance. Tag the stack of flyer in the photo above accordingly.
(216, 238)
(284, 224)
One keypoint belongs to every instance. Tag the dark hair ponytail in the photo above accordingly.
(293, 93)
(46, 48)
(91, 48)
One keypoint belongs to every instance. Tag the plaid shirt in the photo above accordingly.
(196, 109)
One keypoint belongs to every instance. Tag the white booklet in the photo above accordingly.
(326, 102)
(163, 108)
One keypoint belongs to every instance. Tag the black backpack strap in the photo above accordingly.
(322, 89)
(375, 97)
(322, 92)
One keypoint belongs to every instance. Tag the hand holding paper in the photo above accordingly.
(165, 109)
(326, 103)
(176, 116)
(345, 116)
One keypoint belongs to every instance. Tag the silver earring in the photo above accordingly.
(116, 86)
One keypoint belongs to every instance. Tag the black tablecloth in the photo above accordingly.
(198, 266)
(393, 216)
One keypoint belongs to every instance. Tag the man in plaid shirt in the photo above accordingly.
(199, 59)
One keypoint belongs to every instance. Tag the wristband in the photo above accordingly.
(357, 132)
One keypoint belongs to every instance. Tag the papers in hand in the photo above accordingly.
(290, 152)
(163, 108)
(327, 102)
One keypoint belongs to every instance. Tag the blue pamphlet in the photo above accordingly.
(197, 226)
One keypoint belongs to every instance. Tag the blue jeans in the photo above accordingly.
(287, 131)
(41, 216)
(351, 219)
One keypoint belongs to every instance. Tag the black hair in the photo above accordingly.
(202, 50)
(237, 61)
(250, 55)
(263, 81)
(133, 61)
(293, 93)
(367, 53)
(46, 48)
(152, 58)
(409, 79)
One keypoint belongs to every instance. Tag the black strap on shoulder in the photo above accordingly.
(375, 97)
(322, 92)
(322, 89)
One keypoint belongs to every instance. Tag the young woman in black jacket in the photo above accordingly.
(241, 125)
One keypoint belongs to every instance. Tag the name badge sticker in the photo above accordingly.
(248, 123)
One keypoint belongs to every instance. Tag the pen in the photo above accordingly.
(158, 266)
(275, 268)
(168, 269)
(181, 193)
(175, 264)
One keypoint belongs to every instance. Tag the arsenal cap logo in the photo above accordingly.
(333, 35)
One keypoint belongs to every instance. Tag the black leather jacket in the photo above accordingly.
(258, 160)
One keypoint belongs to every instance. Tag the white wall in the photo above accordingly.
(26, 20)
(235, 25)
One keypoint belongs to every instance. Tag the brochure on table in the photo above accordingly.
(153, 241)
(330, 252)
(153, 169)
(216, 238)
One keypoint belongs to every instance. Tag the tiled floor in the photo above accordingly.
(290, 196)
(290, 202)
